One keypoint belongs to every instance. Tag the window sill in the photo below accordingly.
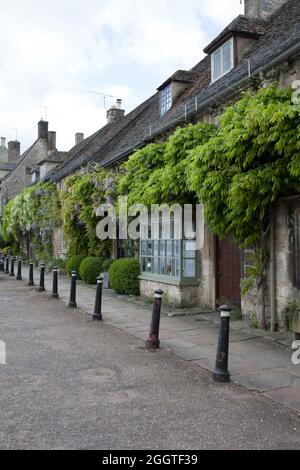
(169, 280)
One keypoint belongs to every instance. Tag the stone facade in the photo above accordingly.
(177, 295)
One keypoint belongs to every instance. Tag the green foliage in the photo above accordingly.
(29, 219)
(135, 182)
(55, 263)
(90, 269)
(290, 312)
(107, 263)
(73, 264)
(158, 173)
(82, 194)
(252, 161)
(123, 276)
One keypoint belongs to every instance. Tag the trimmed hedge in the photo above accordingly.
(73, 264)
(123, 276)
(90, 269)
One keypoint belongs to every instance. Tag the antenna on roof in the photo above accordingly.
(15, 129)
(104, 96)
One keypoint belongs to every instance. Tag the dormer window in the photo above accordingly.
(222, 60)
(165, 99)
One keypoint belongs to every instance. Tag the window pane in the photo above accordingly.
(169, 247)
(150, 244)
(161, 262)
(189, 268)
(217, 64)
(227, 49)
(165, 99)
(149, 265)
(144, 248)
(155, 248)
(162, 248)
(168, 267)
(175, 267)
(176, 248)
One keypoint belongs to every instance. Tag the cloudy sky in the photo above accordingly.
(55, 53)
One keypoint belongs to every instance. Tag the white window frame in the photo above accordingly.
(220, 49)
(165, 103)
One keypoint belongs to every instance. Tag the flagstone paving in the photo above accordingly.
(257, 361)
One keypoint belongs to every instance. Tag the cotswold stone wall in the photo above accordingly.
(179, 296)
(17, 180)
(287, 262)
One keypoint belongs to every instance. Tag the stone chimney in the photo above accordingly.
(14, 151)
(115, 113)
(3, 151)
(79, 137)
(43, 129)
(51, 140)
(262, 9)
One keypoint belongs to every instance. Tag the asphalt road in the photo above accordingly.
(71, 383)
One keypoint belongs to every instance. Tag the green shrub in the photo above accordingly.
(73, 264)
(107, 263)
(55, 263)
(123, 276)
(90, 269)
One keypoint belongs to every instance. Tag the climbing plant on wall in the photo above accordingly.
(158, 172)
(241, 172)
(83, 192)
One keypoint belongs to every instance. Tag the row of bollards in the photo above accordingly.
(220, 373)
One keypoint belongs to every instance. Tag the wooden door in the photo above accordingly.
(228, 273)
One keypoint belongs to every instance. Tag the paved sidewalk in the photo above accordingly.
(255, 361)
(71, 383)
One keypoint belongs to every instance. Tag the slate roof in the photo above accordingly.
(241, 25)
(115, 142)
(281, 37)
(182, 76)
(116, 137)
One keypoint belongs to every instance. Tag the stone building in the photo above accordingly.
(24, 169)
(261, 45)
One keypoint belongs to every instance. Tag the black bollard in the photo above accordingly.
(2, 263)
(97, 315)
(221, 373)
(19, 274)
(72, 303)
(31, 282)
(42, 279)
(7, 265)
(55, 284)
(153, 341)
(12, 266)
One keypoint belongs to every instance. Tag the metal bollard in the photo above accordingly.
(55, 284)
(153, 341)
(97, 315)
(7, 265)
(19, 274)
(221, 373)
(12, 266)
(42, 278)
(72, 303)
(31, 282)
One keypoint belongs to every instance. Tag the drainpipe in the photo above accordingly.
(273, 273)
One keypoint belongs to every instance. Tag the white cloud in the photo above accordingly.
(51, 52)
